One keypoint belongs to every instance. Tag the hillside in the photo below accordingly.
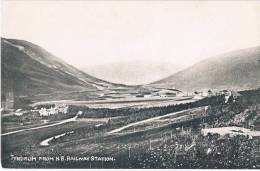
(29, 71)
(133, 72)
(234, 70)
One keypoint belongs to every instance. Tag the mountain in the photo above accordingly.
(234, 70)
(29, 71)
(133, 72)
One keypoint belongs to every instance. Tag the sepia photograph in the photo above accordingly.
(150, 84)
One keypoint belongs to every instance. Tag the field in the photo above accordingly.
(159, 136)
(140, 102)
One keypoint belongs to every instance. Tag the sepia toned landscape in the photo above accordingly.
(200, 115)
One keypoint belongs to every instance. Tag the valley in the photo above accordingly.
(56, 116)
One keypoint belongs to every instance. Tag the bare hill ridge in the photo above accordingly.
(30, 71)
(234, 70)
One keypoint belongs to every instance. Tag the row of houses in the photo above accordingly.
(172, 92)
(159, 92)
(227, 93)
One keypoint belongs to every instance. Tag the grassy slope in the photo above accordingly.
(237, 70)
(29, 70)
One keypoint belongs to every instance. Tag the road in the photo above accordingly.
(110, 132)
(46, 141)
(44, 126)
(150, 119)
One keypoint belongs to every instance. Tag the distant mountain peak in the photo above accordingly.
(133, 72)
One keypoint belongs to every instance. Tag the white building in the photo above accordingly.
(59, 108)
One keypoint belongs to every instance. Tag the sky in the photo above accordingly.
(85, 33)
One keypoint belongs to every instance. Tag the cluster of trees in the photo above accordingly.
(247, 105)
(26, 117)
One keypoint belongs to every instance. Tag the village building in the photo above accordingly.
(143, 92)
(169, 92)
(231, 96)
